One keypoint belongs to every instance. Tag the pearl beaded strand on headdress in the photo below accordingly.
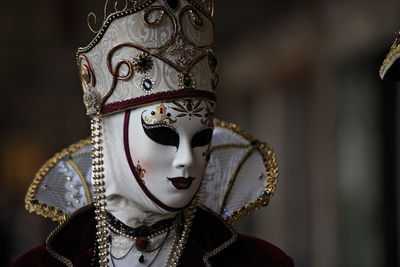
(99, 190)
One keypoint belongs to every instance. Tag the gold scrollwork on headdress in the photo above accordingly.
(182, 51)
(178, 51)
(159, 17)
(86, 73)
(108, 11)
(88, 81)
(112, 7)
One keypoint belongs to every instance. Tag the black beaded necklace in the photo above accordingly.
(142, 231)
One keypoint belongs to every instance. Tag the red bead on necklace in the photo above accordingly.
(142, 243)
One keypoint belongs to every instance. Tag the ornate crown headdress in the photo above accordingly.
(149, 51)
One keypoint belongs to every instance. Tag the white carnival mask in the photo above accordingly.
(168, 145)
(165, 149)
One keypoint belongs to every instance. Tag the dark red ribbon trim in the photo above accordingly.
(160, 96)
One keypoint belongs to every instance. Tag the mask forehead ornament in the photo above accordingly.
(160, 116)
(146, 51)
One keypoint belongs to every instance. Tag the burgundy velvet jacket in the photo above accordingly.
(211, 243)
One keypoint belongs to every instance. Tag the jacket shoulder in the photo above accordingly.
(212, 236)
(72, 240)
(38, 256)
(262, 252)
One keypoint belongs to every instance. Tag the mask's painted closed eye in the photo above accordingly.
(202, 138)
(161, 134)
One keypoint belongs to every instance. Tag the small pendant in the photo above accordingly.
(141, 259)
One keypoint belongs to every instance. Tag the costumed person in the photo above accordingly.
(161, 181)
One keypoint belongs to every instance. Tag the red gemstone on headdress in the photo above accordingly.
(142, 243)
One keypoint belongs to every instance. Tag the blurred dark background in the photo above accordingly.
(302, 76)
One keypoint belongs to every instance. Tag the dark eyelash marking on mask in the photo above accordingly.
(162, 134)
(202, 137)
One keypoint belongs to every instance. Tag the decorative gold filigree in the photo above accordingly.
(111, 8)
(109, 11)
(86, 73)
(159, 17)
(182, 51)
(160, 116)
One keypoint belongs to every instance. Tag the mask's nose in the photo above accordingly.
(184, 155)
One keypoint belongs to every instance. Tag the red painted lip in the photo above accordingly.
(181, 182)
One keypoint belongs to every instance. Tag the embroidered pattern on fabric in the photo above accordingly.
(182, 51)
